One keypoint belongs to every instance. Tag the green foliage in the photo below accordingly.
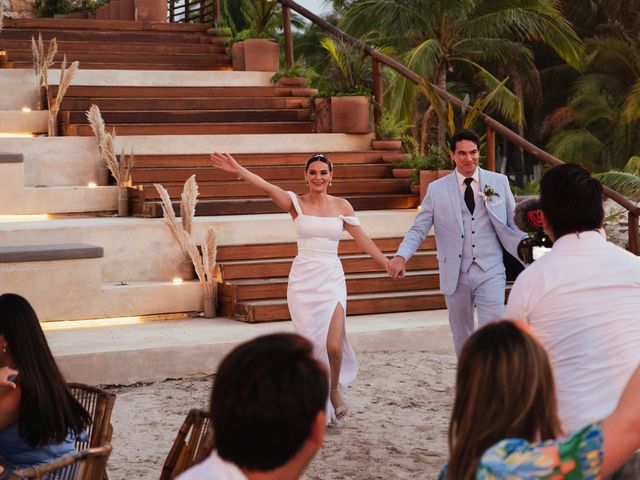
(349, 68)
(49, 8)
(626, 183)
(263, 17)
(391, 127)
(298, 69)
(532, 187)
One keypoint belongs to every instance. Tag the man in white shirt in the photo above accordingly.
(267, 411)
(582, 300)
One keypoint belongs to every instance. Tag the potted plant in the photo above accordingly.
(390, 132)
(431, 166)
(350, 75)
(321, 112)
(255, 49)
(297, 76)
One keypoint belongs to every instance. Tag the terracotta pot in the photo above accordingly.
(261, 55)
(428, 176)
(402, 172)
(101, 13)
(350, 114)
(303, 92)
(394, 157)
(415, 188)
(127, 9)
(237, 56)
(386, 144)
(292, 82)
(151, 10)
(114, 11)
(322, 115)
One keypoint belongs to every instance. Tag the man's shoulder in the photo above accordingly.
(443, 181)
(488, 175)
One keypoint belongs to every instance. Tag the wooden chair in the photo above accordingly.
(89, 464)
(99, 404)
(192, 445)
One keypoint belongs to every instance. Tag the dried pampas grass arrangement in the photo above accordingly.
(41, 64)
(204, 263)
(66, 76)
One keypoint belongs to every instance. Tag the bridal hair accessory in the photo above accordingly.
(321, 158)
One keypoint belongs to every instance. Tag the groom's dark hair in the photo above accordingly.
(571, 199)
(464, 135)
(266, 396)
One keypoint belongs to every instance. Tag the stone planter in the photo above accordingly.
(402, 172)
(256, 55)
(386, 144)
(295, 82)
(151, 10)
(209, 306)
(123, 201)
(322, 115)
(127, 10)
(237, 56)
(114, 10)
(350, 114)
(428, 176)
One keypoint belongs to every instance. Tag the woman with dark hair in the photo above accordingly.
(317, 294)
(505, 424)
(39, 417)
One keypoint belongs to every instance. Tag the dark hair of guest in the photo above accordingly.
(571, 200)
(48, 410)
(504, 389)
(318, 158)
(266, 396)
(463, 135)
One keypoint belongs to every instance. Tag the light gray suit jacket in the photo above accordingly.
(442, 209)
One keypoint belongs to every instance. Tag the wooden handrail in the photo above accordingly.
(493, 126)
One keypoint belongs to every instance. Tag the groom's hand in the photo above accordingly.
(397, 267)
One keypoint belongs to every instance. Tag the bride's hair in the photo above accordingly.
(319, 158)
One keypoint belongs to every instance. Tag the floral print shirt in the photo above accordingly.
(578, 457)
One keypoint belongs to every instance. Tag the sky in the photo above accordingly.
(314, 6)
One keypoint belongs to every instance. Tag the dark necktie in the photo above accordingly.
(468, 195)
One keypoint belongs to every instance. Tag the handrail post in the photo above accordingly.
(216, 12)
(634, 233)
(491, 149)
(288, 39)
(378, 93)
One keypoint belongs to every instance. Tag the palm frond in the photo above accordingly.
(626, 183)
(631, 110)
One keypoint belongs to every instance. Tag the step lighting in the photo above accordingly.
(24, 218)
(92, 185)
(26, 109)
(15, 135)
(177, 281)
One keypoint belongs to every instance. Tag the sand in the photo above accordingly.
(397, 428)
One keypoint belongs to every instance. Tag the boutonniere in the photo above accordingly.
(488, 194)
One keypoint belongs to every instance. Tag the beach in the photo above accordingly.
(397, 428)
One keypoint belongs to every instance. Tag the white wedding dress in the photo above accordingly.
(317, 285)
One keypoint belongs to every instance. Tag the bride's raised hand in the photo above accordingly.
(225, 161)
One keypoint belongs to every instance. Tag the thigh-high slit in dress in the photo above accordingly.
(316, 287)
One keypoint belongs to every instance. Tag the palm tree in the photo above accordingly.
(466, 39)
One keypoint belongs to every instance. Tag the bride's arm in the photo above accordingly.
(363, 240)
(226, 162)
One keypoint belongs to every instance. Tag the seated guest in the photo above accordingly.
(505, 424)
(267, 411)
(582, 300)
(39, 417)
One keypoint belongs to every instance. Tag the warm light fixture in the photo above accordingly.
(24, 218)
(96, 322)
(26, 109)
(15, 135)
(177, 281)
(419, 207)
(91, 185)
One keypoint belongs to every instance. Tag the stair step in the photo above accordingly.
(120, 36)
(185, 103)
(197, 128)
(66, 46)
(273, 288)
(290, 250)
(107, 91)
(127, 66)
(194, 116)
(237, 189)
(269, 268)
(102, 25)
(210, 174)
(128, 58)
(244, 206)
(252, 160)
(273, 310)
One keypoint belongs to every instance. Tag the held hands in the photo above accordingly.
(396, 267)
(7, 377)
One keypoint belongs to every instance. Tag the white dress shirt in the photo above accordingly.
(475, 185)
(213, 468)
(582, 300)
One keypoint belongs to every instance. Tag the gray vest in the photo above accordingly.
(480, 244)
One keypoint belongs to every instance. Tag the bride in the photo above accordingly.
(316, 293)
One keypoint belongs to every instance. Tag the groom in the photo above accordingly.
(471, 211)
